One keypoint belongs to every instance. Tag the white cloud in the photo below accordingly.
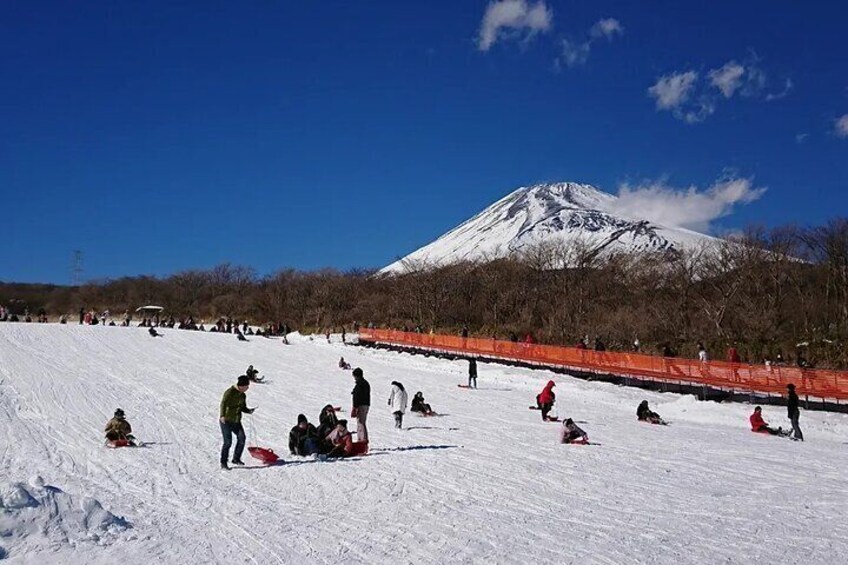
(505, 19)
(690, 208)
(728, 78)
(787, 88)
(842, 126)
(575, 53)
(672, 91)
(608, 27)
(801, 137)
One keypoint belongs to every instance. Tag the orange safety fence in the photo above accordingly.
(718, 374)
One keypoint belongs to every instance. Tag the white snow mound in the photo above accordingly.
(36, 515)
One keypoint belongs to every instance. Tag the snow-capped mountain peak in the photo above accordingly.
(555, 213)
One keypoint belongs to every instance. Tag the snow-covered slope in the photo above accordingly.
(485, 483)
(552, 213)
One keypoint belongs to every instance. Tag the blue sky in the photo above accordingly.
(158, 137)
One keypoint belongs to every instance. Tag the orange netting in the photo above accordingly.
(719, 374)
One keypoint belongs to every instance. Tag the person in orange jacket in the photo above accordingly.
(545, 399)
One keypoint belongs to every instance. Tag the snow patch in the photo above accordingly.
(37, 515)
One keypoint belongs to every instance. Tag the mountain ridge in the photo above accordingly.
(549, 212)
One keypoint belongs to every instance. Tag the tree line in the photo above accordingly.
(766, 292)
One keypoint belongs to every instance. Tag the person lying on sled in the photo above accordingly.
(571, 433)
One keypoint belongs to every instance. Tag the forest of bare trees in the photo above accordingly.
(766, 292)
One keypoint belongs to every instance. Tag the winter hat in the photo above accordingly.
(568, 422)
(119, 413)
(342, 423)
(243, 380)
(790, 386)
(357, 373)
(301, 419)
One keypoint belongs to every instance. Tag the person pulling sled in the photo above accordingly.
(119, 431)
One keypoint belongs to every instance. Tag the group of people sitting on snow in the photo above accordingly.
(330, 439)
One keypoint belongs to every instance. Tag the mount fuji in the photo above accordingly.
(555, 213)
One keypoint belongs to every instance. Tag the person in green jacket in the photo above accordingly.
(233, 403)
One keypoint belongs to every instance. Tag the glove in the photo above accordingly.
(353, 412)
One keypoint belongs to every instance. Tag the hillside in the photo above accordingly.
(484, 483)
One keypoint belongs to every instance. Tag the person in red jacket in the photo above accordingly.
(545, 399)
(732, 355)
(761, 426)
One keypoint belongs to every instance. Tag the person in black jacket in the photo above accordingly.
(472, 373)
(644, 414)
(361, 403)
(303, 438)
(794, 413)
(327, 422)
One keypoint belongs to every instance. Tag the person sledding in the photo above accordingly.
(344, 364)
(327, 422)
(545, 399)
(759, 425)
(119, 431)
(339, 441)
(253, 375)
(644, 414)
(303, 438)
(572, 433)
(418, 405)
(154, 333)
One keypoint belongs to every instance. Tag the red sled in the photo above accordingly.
(581, 441)
(120, 443)
(358, 448)
(264, 454)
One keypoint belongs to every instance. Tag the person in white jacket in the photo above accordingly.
(397, 400)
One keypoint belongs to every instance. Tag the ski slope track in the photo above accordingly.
(558, 213)
(486, 482)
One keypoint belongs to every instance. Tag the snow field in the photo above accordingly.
(484, 483)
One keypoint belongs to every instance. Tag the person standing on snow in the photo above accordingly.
(233, 404)
(472, 373)
(545, 399)
(702, 353)
(398, 400)
(361, 403)
(794, 412)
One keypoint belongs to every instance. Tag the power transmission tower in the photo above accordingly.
(76, 269)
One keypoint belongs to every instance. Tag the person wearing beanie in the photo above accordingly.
(361, 403)
(118, 429)
(303, 438)
(794, 412)
(233, 404)
(398, 400)
(472, 373)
